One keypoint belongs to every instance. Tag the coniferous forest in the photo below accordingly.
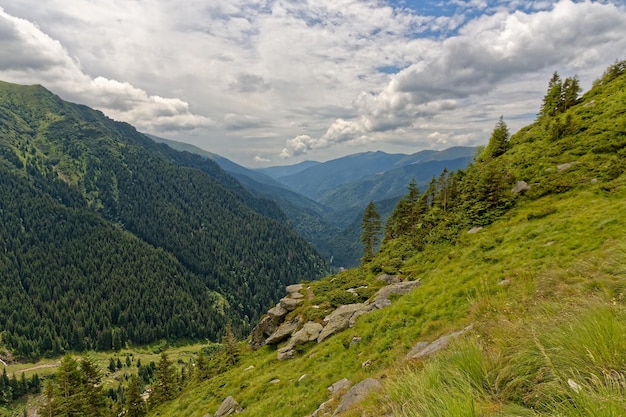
(108, 238)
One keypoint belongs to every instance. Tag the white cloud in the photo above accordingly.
(332, 75)
(487, 52)
(31, 56)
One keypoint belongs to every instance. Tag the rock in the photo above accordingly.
(277, 313)
(422, 349)
(339, 319)
(366, 364)
(228, 407)
(323, 410)
(355, 341)
(381, 300)
(590, 104)
(293, 289)
(474, 230)
(357, 394)
(261, 332)
(505, 281)
(283, 332)
(342, 384)
(249, 368)
(289, 304)
(563, 167)
(520, 187)
(285, 353)
(303, 377)
(275, 381)
(388, 279)
(308, 333)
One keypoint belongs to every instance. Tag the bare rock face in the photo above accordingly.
(262, 331)
(289, 304)
(342, 384)
(357, 394)
(228, 407)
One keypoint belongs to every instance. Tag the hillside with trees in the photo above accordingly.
(109, 238)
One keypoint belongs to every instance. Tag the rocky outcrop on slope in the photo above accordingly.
(278, 326)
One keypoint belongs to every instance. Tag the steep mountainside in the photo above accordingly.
(518, 310)
(177, 246)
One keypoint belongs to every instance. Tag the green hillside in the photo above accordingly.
(108, 236)
(542, 283)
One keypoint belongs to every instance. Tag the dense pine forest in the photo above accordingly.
(108, 238)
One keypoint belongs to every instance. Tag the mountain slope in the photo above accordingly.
(180, 204)
(542, 283)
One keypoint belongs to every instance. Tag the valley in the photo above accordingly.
(515, 263)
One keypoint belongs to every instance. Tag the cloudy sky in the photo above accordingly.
(272, 82)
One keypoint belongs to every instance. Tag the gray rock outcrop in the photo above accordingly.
(228, 407)
(388, 279)
(284, 332)
(342, 384)
(339, 320)
(381, 300)
(357, 394)
(308, 333)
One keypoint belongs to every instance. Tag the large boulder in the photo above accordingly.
(289, 303)
(357, 394)
(228, 407)
(339, 319)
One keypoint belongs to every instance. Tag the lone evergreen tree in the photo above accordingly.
(165, 385)
(231, 346)
(135, 405)
(499, 141)
(371, 227)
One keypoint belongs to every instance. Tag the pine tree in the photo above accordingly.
(552, 99)
(371, 227)
(165, 385)
(499, 141)
(231, 346)
(135, 405)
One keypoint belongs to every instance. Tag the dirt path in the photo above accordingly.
(45, 365)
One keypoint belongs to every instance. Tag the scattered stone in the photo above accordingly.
(423, 349)
(283, 332)
(357, 394)
(342, 384)
(474, 230)
(505, 281)
(249, 368)
(285, 353)
(590, 104)
(563, 167)
(275, 381)
(355, 341)
(228, 407)
(366, 364)
(594, 180)
(388, 279)
(520, 187)
(550, 243)
(303, 377)
(289, 304)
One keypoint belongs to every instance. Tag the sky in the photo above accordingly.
(276, 82)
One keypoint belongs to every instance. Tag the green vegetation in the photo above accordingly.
(542, 282)
(110, 239)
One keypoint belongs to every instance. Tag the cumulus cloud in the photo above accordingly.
(31, 56)
(486, 52)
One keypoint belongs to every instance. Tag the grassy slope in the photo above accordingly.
(562, 248)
